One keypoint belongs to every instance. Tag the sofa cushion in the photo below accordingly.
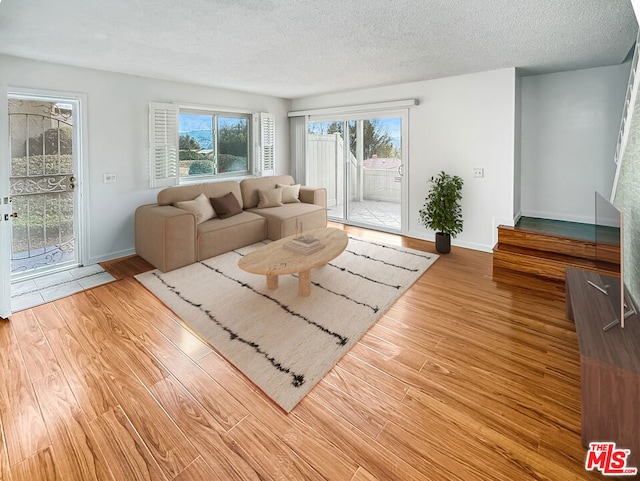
(170, 195)
(200, 206)
(249, 187)
(290, 193)
(218, 236)
(269, 198)
(226, 205)
(281, 221)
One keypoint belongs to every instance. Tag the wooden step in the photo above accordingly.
(585, 249)
(546, 242)
(549, 265)
(547, 255)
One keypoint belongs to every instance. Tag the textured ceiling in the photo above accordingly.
(294, 48)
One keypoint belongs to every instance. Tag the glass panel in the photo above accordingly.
(42, 234)
(196, 144)
(371, 174)
(376, 169)
(201, 153)
(233, 145)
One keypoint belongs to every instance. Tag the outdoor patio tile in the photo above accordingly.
(375, 213)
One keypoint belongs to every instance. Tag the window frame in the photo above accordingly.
(163, 158)
(215, 114)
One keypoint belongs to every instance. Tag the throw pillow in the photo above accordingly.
(200, 206)
(290, 193)
(269, 198)
(226, 206)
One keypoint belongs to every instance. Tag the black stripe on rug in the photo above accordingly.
(344, 296)
(342, 340)
(393, 248)
(362, 276)
(297, 379)
(390, 264)
(343, 269)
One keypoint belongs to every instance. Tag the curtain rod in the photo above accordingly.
(356, 108)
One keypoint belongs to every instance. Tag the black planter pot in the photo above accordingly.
(443, 243)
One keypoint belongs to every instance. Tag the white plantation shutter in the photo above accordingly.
(266, 144)
(163, 144)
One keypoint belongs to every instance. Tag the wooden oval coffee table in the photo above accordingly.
(275, 260)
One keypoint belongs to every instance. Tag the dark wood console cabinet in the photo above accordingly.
(609, 365)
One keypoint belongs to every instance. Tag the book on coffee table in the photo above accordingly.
(305, 241)
(303, 248)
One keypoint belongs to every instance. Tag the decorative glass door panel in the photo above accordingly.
(42, 186)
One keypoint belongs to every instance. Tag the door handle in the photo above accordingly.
(72, 182)
(400, 170)
(14, 215)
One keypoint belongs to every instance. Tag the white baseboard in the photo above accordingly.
(472, 245)
(454, 242)
(111, 256)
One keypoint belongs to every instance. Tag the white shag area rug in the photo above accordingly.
(284, 343)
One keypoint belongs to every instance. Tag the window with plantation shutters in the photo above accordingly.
(266, 144)
(163, 145)
(192, 143)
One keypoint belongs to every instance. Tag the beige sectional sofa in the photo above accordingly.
(178, 229)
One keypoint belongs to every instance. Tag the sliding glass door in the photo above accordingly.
(361, 161)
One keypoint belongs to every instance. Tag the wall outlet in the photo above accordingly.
(109, 178)
(478, 173)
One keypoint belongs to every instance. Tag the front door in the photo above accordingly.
(43, 143)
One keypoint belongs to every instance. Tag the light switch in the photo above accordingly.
(109, 178)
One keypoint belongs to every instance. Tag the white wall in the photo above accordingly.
(460, 123)
(117, 138)
(570, 123)
(517, 153)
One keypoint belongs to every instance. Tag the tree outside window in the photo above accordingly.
(213, 144)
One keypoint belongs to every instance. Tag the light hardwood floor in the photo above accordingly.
(466, 377)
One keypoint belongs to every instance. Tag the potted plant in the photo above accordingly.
(442, 211)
